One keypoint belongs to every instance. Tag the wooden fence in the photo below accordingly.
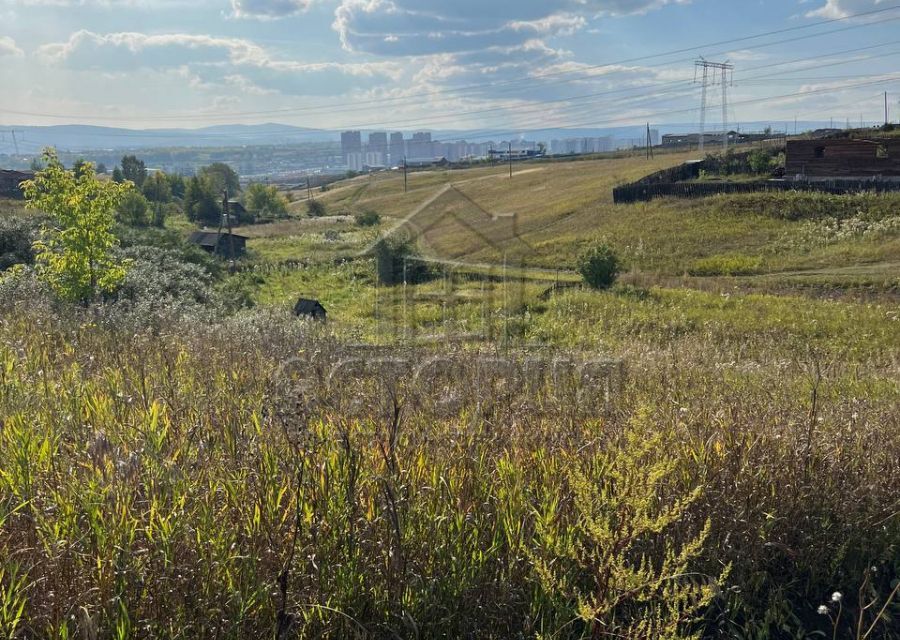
(644, 192)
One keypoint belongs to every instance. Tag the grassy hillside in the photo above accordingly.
(560, 208)
(707, 449)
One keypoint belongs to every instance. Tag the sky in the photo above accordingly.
(483, 65)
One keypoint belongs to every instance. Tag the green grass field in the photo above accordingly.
(706, 450)
(560, 208)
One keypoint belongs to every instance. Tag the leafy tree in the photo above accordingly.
(101, 169)
(177, 185)
(117, 175)
(158, 191)
(157, 188)
(315, 208)
(200, 205)
(134, 170)
(75, 255)
(79, 167)
(759, 161)
(398, 257)
(599, 266)
(134, 210)
(264, 200)
(219, 177)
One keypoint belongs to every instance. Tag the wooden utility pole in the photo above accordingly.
(308, 189)
(886, 119)
(405, 175)
(649, 143)
(227, 215)
(159, 219)
(491, 154)
(509, 152)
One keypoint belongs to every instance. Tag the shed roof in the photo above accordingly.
(211, 238)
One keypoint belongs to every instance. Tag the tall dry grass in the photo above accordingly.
(173, 480)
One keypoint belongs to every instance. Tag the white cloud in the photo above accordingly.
(268, 9)
(843, 8)
(8, 48)
(210, 60)
(424, 27)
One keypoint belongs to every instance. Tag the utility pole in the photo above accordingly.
(491, 153)
(405, 175)
(712, 74)
(227, 217)
(886, 119)
(13, 132)
(649, 143)
(308, 190)
(159, 219)
(510, 160)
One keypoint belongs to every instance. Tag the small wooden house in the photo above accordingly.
(307, 308)
(220, 243)
(843, 158)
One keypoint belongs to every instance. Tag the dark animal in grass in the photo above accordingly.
(306, 308)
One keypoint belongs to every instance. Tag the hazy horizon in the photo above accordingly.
(403, 65)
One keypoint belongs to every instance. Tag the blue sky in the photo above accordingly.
(439, 64)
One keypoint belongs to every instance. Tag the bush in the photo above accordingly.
(599, 266)
(759, 161)
(134, 210)
(735, 265)
(160, 276)
(17, 235)
(396, 257)
(368, 219)
(265, 201)
(316, 209)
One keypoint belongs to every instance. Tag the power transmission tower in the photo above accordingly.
(711, 74)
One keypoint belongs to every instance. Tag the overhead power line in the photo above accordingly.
(583, 74)
(658, 91)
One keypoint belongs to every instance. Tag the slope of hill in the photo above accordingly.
(560, 208)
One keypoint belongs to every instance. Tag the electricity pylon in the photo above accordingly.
(713, 73)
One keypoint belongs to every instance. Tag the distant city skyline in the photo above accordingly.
(390, 65)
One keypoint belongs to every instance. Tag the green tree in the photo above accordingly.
(117, 175)
(759, 160)
(134, 210)
(397, 258)
(75, 254)
(200, 205)
(315, 208)
(599, 266)
(158, 191)
(157, 188)
(264, 200)
(134, 170)
(79, 167)
(177, 185)
(220, 177)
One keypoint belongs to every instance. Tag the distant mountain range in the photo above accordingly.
(31, 140)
